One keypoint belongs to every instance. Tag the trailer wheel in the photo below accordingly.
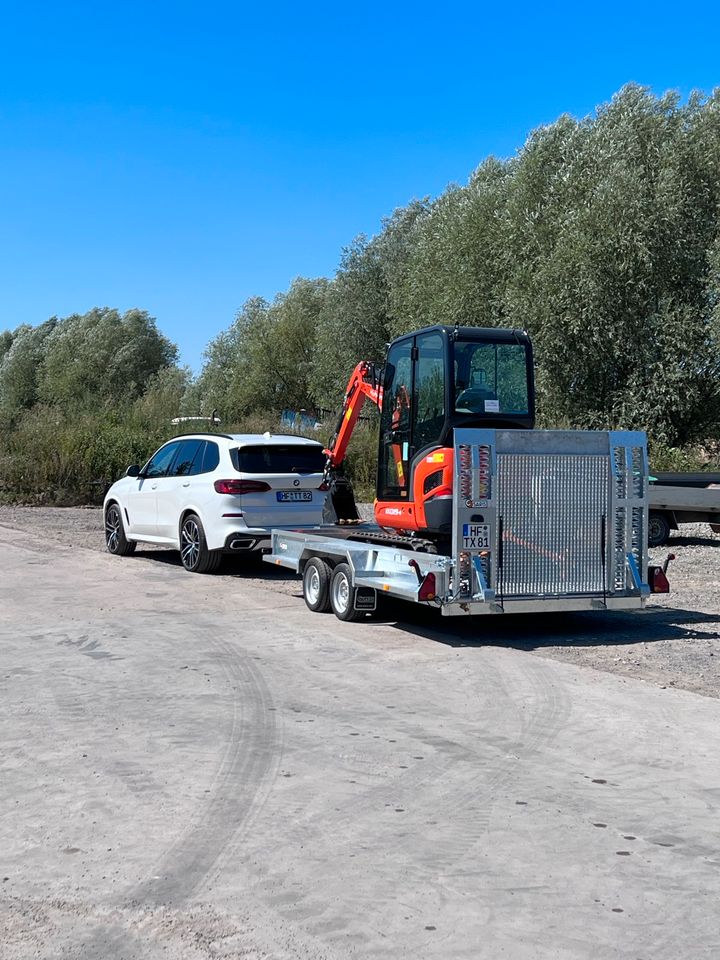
(342, 594)
(316, 585)
(658, 529)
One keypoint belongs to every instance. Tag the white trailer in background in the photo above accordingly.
(677, 498)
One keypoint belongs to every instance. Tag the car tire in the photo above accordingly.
(316, 585)
(115, 540)
(658, 529)
(342, 594)
(194, 553)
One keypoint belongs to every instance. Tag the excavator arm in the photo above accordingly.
(365, 383)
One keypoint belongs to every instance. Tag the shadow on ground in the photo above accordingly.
(533, 631)
(250, 567)
(520, 631)
(679, 540)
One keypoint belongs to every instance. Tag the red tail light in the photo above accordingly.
(657, 580)
(241, 486)
(427, 587)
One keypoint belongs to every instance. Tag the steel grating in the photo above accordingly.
(553, 509)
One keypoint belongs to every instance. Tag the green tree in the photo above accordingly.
(165, 396)
(357, 319)
(6, 341)
(20, 367)
(103, 357)
(264, 361)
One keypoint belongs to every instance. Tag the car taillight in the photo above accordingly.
(241, 486)
(324, 485)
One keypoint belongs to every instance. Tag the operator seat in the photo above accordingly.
(472, 399)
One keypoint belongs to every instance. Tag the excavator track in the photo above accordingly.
(414, 544)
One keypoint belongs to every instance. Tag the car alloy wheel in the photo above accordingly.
(112, 529)
(115, 540)
(190, 544)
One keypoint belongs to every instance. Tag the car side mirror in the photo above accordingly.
(133, 471)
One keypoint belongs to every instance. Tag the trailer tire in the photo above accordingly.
(342, 594)
(658, 529)
(316, 585)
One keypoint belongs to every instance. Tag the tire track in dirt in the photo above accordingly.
(247, 770)
(244, 776)
(478, 773)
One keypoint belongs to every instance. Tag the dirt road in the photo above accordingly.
(198, 767)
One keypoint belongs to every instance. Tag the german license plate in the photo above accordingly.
(476, 536)
(294, 496)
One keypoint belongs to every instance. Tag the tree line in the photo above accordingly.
(601, 237)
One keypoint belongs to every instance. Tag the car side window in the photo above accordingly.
(158, 465)
(211, 458)
(186, 462)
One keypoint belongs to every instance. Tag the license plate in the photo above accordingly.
(476, 536)
(294, 496)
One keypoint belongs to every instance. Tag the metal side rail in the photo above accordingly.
(386, 569)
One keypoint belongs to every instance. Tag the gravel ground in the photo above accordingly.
(674, 644)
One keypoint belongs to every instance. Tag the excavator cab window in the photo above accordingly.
(491, 378)
(413, 411)
(429, 391)
(395, 422)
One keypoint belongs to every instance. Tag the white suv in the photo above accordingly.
(209, 494)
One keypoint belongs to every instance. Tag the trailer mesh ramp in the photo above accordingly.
(554, 524)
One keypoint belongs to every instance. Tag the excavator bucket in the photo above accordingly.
(340, 503)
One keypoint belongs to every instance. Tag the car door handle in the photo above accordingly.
(187, 484)
(154, 486)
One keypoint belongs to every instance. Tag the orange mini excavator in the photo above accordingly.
(433, 381)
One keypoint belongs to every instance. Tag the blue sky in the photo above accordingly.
(182, 157)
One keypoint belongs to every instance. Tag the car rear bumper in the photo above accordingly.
(254, 539)
(247, 541)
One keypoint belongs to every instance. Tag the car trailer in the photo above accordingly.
(541, 521)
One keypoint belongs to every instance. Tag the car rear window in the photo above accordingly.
(211, 458)
(276, 458)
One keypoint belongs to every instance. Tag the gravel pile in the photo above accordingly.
(674, 644)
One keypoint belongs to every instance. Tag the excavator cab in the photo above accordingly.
(435, 380)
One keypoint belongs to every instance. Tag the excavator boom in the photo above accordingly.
(365, 383)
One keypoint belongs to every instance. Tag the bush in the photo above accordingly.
(61, 459)
(52, 458)
(691, 459)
